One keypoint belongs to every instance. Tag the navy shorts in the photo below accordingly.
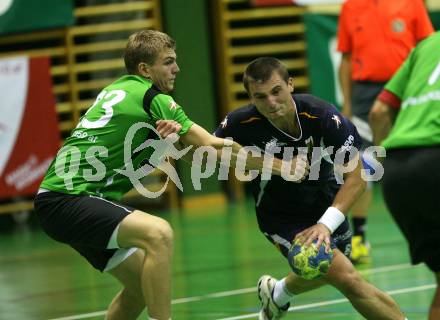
(282, 236)
(84, 222)
(363, 95)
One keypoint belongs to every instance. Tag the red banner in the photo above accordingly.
(29, 133)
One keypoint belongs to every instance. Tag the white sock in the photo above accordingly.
(281, 295)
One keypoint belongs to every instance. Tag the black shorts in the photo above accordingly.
(282, 235)
(84, 222)
(412, 194)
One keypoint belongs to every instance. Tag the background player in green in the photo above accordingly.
(405, 119)
(75, 203)
(374, 38)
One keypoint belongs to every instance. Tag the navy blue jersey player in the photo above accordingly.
(314, 208)
(294, 206)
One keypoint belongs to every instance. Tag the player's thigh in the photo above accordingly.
(140, 229)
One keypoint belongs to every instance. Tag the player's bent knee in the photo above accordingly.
(145, 231)
(161, 235)
(158, 234)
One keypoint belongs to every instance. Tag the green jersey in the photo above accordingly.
(119, 122)
(417, 84)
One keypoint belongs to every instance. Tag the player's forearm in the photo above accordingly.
(252, 158)
(345, 79)
(251, 162)
(350, 191)
(335, 215)
(381, 119)
(233, 154)
(227, 151)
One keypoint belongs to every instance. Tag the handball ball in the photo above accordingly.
(309, 263)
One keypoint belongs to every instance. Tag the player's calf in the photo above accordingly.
(125, 306)
(368, 300)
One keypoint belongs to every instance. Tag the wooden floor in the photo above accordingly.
(219, 256)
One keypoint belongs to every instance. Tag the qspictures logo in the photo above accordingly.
(204, 161)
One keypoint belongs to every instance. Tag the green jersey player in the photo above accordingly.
(406, 120)
(111, 147)
(99, 141)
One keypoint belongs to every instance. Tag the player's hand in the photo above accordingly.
(317, 231)
(300, 168)
(167, 127)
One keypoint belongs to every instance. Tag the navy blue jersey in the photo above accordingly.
(321, 125)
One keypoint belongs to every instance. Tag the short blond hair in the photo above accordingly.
(144, 46)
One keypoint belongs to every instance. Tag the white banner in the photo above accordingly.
(29, 133)
(13, 92)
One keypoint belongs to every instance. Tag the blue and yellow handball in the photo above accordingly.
(309, 262)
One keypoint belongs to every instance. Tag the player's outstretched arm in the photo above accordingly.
(198, 136)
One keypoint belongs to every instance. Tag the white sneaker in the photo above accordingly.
(269, 309)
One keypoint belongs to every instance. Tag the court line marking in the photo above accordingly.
(253, 289)
(336, 301)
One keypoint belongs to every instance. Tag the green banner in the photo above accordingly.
(322, 56)
(30, 15)
(324, 59)
(435, 18)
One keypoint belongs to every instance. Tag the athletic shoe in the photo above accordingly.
(269, 309)
(360, 251)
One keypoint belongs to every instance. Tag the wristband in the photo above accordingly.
(332, 218)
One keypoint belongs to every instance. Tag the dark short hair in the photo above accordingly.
(261, 69)
(144, 46)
